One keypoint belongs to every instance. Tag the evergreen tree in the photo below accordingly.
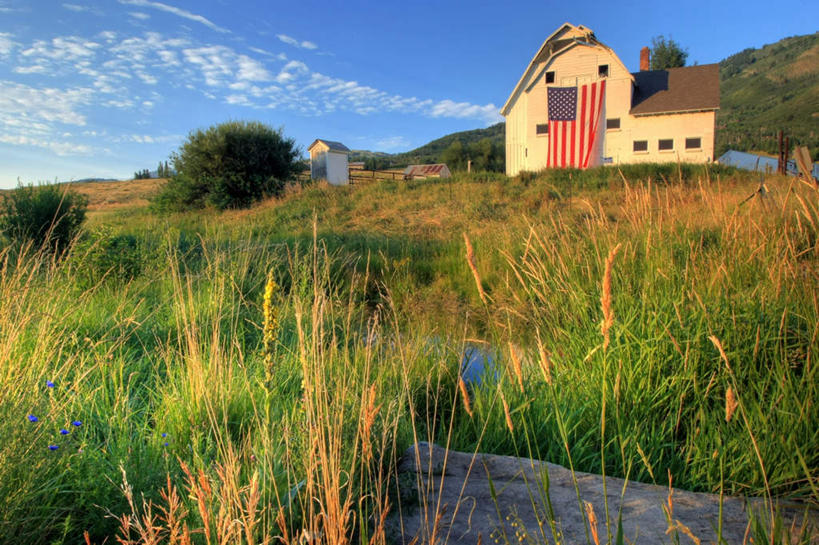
(666, 53)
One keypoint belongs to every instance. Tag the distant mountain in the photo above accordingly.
(768, 89)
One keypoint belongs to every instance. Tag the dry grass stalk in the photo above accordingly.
(592, 522)
(516, 367)
(506, 413)
(715, 341)
(470, 260)
(605, 298)
(465, 396)
(369, 414)
(730, 404)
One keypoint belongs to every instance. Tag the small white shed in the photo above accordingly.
(328, 161)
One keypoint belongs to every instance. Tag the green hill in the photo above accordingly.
(768, 89)
(433, 152)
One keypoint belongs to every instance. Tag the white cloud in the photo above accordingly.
(6, 44)
(61, 148)
(176, 11)
(34, 69)
(392, 143)
(49, 104)
(70, 48)
(78, 8)
(277, 56)
(449, 108)
(289, 40)
(139, 15)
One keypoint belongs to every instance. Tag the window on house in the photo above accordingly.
(542, 129)
(693, 143)
(603, 70)
(550, 77)
(613, 123)
(640, 145)
(665, 144)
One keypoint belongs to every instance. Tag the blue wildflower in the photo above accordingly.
(49, 384)
(53, 447)
(32, 418)
(77, 423)
(164, 435)
(64, 431)
(165, 445)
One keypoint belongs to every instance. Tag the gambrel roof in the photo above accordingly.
(561, 40)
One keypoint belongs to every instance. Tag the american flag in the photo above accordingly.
(574, 141)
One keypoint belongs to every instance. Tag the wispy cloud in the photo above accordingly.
(176, 11)
(449, 108)
(79, 8)
(392, 143)
(139, 15)
(295, 43)
(6, 44)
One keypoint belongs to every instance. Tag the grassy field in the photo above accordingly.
(243, 375)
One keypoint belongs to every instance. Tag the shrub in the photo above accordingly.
(46, 216)
(103, 255)
(230, 165)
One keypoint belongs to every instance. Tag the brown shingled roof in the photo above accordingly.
(690, 88)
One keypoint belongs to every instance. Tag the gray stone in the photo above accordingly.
(451, 500)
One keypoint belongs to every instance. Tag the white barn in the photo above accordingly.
(645, 116)
(328, 161)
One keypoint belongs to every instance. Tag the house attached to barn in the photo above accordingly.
(328, 161)
(602, 114)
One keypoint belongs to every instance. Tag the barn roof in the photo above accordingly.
(686, 89)
(561, 40)
(334, 146)
(426, 170)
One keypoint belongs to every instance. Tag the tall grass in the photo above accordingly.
(211, 413)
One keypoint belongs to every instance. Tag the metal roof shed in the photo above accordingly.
(328, 161)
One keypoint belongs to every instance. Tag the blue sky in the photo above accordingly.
(103, 88)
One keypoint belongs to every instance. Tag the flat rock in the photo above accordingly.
(468, 499)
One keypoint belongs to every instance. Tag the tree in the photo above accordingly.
(666, 53)
(230, 165)
(455, 156)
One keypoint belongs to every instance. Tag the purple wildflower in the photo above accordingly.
(49, 384)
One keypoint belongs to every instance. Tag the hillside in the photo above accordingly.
(432, 152)
(768, 89)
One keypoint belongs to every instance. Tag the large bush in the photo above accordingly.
(46, 216)
(230, 166)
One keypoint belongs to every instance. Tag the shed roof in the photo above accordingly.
(334, 146)
(686, 89)
(426, 170)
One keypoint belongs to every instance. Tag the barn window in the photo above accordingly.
(693, 143)
(550, 77)
(603, 70)
(665, 144)
(542, 128)
(640, 145)
(613, 123)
